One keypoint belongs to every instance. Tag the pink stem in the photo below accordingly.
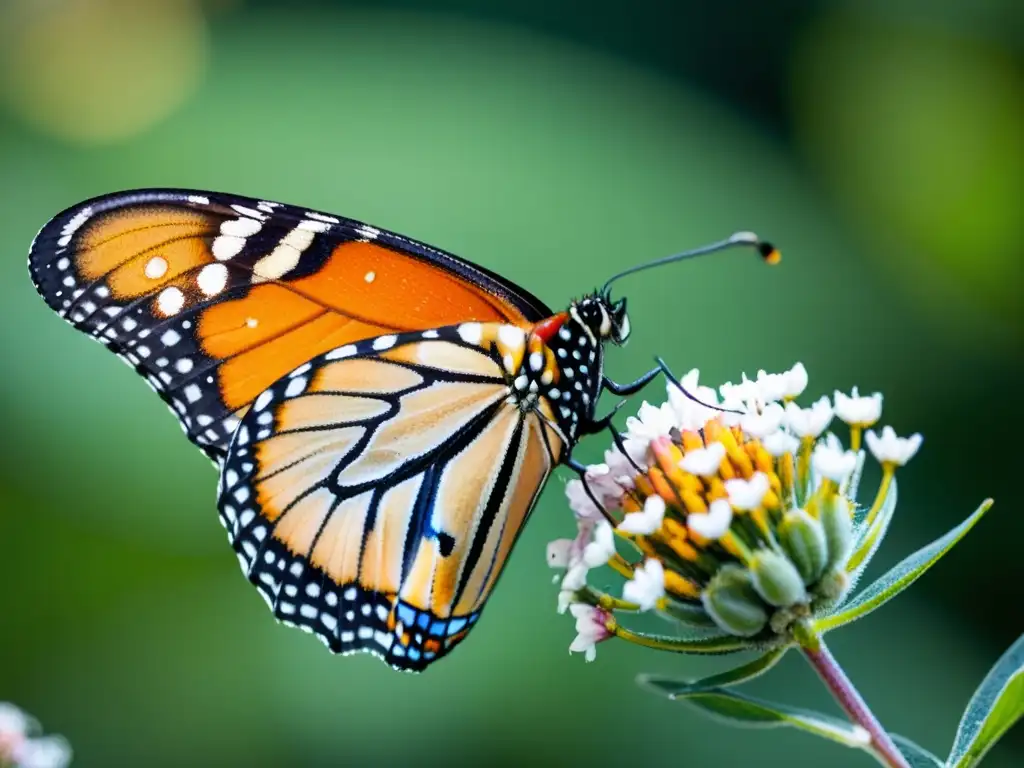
(850, 700)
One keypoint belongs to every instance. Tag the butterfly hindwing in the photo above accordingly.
(212, 297)
(373, 494)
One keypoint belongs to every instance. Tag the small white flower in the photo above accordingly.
(646, 521)
(890, 449)
(576, 577)
(647, 585)
(704, 461)
(591, 629)
(832, 461)
(651, 422)
(558, 553)
(796, 380)
(780, 442)
(600, 550)
(711, 524)
(771, 386)
(748, 494)
(858, 411)
(746, 392)
(762, 424)
(809, 422)
(691, 415)
(22, 750)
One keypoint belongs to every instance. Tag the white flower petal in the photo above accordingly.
(575, 577)
(599, 551)
(796, 380)
(771, 387)
(809, 422)
(830, 460)
(890, 449)
(858, 411)
(646, 521)
(748, 494)
(780, 442)
(647, 585)
(14, 721)
(764, 423)
(704, 461)
(711, 524)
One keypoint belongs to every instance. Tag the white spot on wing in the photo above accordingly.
(170, 301)
(156, 268)
(471, 333)
(212, 279)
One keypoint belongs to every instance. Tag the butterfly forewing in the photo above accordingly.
(212, 297)
(374, 494)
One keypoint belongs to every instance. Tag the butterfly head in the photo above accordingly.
(608, 320)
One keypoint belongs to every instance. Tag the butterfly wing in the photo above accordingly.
(374, 494)
(213, 297)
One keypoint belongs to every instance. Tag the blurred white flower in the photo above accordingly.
(711, 524)
(647, 520)
(858, 411)
(600, 550)
(780, 442)
(21, 748)
(591, 629)
(692, 415)
(771, 387)
(647, 585)
(748, 494)
(704, 461)
(763, 423)
(831, 460)
(890, 449)
(796, 381)
(651, 422)
(809, 422)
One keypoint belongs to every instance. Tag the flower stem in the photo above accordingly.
(846, 695)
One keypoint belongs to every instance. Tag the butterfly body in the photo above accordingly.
(383, 415)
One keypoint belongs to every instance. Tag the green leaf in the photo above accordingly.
(900, 577)
(869, 537)
(744, 711)
(995, 706)
(918, 757)
(674, 688)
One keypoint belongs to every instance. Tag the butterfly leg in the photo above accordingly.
(634, 386)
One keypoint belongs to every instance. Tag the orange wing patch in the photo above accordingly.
(212, 298)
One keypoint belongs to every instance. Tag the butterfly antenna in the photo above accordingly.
(767, 251)
(669, 375)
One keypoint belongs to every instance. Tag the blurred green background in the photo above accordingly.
(880, 144)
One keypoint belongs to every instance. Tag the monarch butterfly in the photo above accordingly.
(383, 414)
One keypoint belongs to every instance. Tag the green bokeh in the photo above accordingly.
(126, 625)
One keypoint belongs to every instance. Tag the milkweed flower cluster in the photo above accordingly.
(737, 505)
(22, 747)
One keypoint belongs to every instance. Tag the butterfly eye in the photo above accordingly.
(620, 322)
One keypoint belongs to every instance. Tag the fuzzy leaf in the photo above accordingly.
(918, 757)
(868, 538)
(995, 706)
(674, 688)
(851, 486)
(744, 711)
(900, 577)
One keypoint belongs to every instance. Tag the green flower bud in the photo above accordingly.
(687, 613)
(733, 603)
(837, 520)
(776, 579)
(803, 539)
